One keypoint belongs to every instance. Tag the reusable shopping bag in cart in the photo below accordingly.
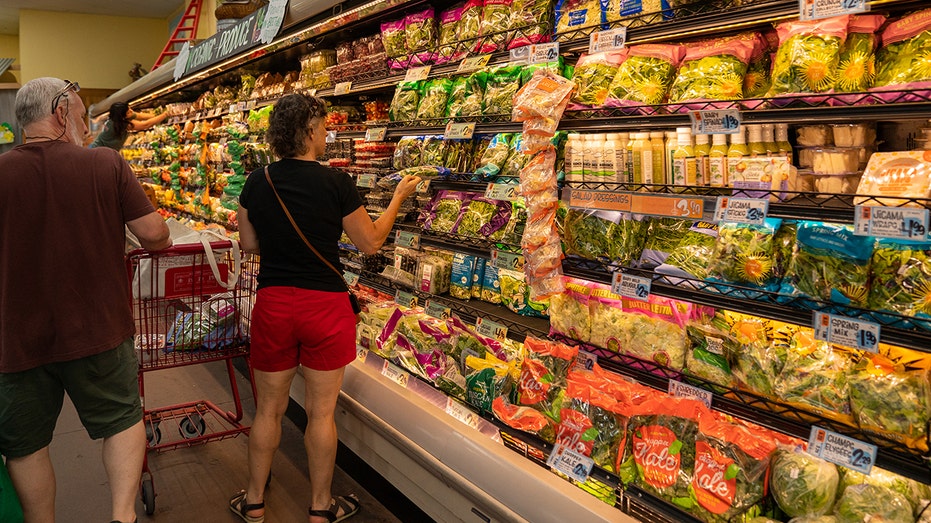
(10, 509)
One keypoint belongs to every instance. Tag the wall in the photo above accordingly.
(9, 48)
(95, 51)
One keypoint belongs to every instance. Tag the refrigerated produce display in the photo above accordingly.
(672, 268)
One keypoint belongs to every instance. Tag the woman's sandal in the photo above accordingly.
(348, 504)
(239, 507)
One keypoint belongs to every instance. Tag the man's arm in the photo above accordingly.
(152, 231)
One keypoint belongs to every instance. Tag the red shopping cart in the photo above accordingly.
(191, 305)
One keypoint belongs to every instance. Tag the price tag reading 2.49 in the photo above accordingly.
(631, 286)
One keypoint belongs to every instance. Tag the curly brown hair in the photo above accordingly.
(290, 123)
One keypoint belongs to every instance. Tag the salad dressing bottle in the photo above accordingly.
(642, 162)
(769, 141)
(782, 141)
(574, 158)
(684, 168)
(735, 154)
(590, 161)
(717, 161)
(755, 143)
(658, 157)
(702, 150)
(671, 144)
(621, 157)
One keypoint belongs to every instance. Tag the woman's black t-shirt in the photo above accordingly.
(318, 198)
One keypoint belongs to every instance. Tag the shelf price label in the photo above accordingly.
(459, 131)
(676, 207)
(473, 63)
(437, 310)
(601, 200)
(585, 360)
(250, 105)
(841, 450)
(342, 88)
(631, 286)
(366, 180)
(462, 413)
(905, 223)
(376, 134)
(848, 332)
(490, 329)
(351, 278)
(405, 299)
(741, 210)
(720, 121)
(501, 191)
(543, 53)
(684, 390)
(507, 260)
(417, 73)
(395, 373)
(817, 9)
(407, 239)
(610, 40)
(571, 463)
(362, 354)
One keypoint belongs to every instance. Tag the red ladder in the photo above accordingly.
(187, 24)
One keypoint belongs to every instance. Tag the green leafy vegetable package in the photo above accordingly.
(903, 61)
(900, 278)
(808, 54)
(593, 75)
(569, 311)
(712, 70)
(802, 484)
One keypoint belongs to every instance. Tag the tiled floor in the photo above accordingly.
(192, 484)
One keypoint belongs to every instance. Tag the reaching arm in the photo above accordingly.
(369, 236)
(142, 125)
(152, 232)
(248, 240)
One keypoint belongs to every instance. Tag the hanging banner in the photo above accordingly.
(231, 41)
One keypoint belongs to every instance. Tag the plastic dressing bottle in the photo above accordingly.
(574, 158)
(782, 141)
(755, 143)
(622, 161)
(769, 141)
(684, 168)
(702, 150)
(735, 153)
(717, 161)
(658, 147)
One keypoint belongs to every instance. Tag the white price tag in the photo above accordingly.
(351, 278)
(473, 63)
(362, 354)
(502, 191)
(461, 412)
(395, 373)
(250, 105)
(842, 450)
(817, 9)
(331, 137)
(407, 239)
(571, 463)
(741, 210)
(342, 88)
(417, 73)
(905, 223)
(375, 134)
(507, 260)
(847, 332)
(490, 329)
(405, 299)
(311, 92)
(437, 310)
(520, 55)
(274, 17)
(234, 108)
(721, 121)
(181, 60)
(631, 286)
(459, 131)
(610, 40)
(543, 53)
(366, 180)
(585, 360)
(684, 390)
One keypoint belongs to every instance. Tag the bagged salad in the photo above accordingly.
(663, 235)
(496, 15)
(460, 285)
(815, 377)
(443, 212)
(901, 63)
(420, 34)
(744, 253)
(802, 484)
(494, 156)
(691, 257)
(466, 95)
(808, 54)
(434, 98)
(569, 311)
(603, 235)
(448, 50)
(757, 79)
(859, 503)
(645, 77)
(593, 75)
(503, 83)
(531, 22)
(516, 295)
(405, 102)
(578, 18)
(900, 278)
(592, 422)
(857, 64)
(712, 70)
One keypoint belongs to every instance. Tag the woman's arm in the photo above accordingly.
(247, 237)
(369, 236)
(142, 125)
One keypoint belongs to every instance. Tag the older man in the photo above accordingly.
(66, 324)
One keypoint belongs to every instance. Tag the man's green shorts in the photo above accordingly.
(104, 389)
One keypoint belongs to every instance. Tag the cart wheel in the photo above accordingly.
(153, 434)
(192, 426)
(148, 494)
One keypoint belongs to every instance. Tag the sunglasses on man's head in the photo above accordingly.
(69, 86)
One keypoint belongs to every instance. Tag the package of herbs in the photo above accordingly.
(830, 264)
(904, 56)
(743, 253)
(466, 95)
(495, 20)
(578, 18)
(394, 38)
(433, 99)
(606, 235)
(706, 356)
(569, 311)
(591, 424)
(644, 78)
(593, 75)
(531, 22)
(663, 235)
(494, 156)
(482, 216)
(515, 295)
(405, 102)
(857, 66)
(692, 255)
(892, 402)
(407, 152)
(731, 465)
(434, 150)
(444, 211)
(808, 54)
(713, 70)
(500, 89)
(420, 33)
(815, 377)
(448, 50)
(802, 484)
(900, 278)
(661, 445)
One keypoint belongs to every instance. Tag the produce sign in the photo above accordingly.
(741, 210)
(654, 205)
(723, 121)
(610, 40)
(845, 331)
(842, 450)
(892, 222)
(817, 9)
(570, 463)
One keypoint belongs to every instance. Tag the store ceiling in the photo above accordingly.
(9, 12)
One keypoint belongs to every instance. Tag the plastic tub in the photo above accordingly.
(836, 183)
(854, 135)
(835, 160)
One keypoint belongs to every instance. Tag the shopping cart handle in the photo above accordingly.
(186, 248)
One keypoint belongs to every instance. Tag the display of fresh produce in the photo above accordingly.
(593, 75)
(857, 65)
(802, 484)
(744, 253)
(808, 54)
(900, 278)
(903, 59)
(405, 102)
(713, 70)
(644, 78)
(858, 503)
